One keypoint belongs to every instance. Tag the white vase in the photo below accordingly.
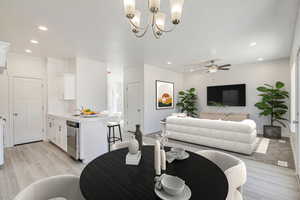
(133, 146)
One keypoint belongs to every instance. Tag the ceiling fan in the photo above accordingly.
(212, 67)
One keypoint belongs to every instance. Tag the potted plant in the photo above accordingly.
(273, 104)
(187, 102)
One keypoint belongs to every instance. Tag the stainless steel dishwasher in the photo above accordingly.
(73, 145)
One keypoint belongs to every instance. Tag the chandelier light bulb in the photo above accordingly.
(129, 7)
(213, 69)
(176, 10)
(160, 20)
(154, 5)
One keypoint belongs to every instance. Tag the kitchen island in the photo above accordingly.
(82, 138)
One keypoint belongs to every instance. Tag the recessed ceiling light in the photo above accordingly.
(34, 41)
(28, 51)
(253, 44)
(260, 59)
(43, 28)
(169, 63)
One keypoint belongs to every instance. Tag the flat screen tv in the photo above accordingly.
(227, 95)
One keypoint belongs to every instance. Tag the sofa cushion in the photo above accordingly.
(245, 126)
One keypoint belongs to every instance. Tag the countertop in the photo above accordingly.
(71, 117)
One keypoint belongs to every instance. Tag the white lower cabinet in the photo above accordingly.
(57, 132)
(51, 129)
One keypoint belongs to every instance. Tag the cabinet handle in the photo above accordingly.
(50, 124)
(59, 128)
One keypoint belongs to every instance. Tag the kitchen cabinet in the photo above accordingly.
(91, 135)
(61, 138)
(50, 129)
(57, 132)
(69, 86)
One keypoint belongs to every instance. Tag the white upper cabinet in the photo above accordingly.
(4, 47)
(69, 87)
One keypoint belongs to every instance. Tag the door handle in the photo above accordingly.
(15, 114)
(139, 110)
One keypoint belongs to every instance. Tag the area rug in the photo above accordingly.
(269, 151)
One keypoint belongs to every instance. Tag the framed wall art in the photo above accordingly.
(164, 95)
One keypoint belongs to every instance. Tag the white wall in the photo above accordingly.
(19, 66)
(152, 116)
(253, 75)
(56, 68)
(91, 82)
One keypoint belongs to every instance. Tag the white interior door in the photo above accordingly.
(27, 110)
(133, 105)
(4, 105)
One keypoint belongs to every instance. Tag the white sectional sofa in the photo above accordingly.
(228, 135)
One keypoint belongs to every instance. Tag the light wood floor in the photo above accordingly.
(28, 163)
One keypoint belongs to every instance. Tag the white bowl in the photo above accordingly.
(172, 184)
(178, 150)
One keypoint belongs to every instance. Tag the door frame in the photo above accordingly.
(126, 105)
(297, 112)
(11, 106)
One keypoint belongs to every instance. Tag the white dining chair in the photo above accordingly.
(234, 169)
(63, 186)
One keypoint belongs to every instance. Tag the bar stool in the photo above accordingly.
(114, 122)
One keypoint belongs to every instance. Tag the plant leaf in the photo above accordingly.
(192, 90)
(268, 85)
(279, 85)
(263, 89)
(181, 93)
(280, 122)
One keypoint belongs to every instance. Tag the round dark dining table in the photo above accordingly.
(109, 178)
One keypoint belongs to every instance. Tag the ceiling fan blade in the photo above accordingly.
(227, 65)
(224, 68)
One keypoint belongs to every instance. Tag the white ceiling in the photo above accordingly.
(98, 29)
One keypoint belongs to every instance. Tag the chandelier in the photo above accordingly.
(156, 19)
